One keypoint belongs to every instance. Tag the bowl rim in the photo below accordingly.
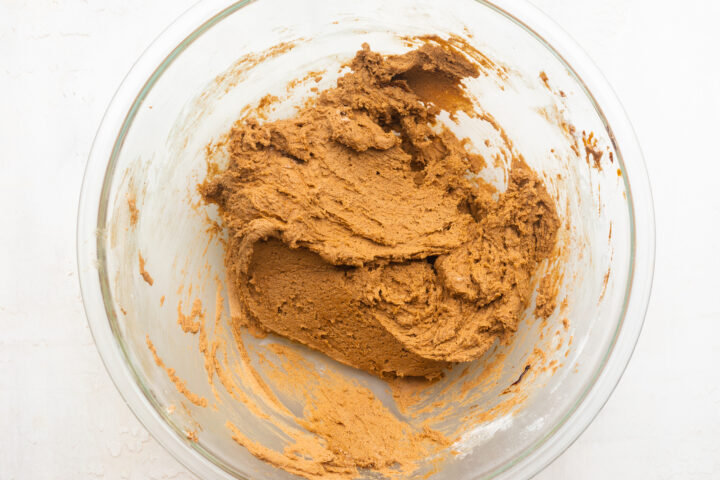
(200, 18)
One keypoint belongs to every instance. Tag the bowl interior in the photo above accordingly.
(150, 208)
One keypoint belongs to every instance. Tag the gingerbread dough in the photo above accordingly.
(354, 227)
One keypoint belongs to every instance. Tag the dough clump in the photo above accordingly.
(355, 230)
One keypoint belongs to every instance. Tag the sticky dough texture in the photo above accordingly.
(354, 229)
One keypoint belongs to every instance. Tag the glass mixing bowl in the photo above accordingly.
(193, 82)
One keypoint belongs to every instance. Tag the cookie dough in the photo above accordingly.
(355, 229)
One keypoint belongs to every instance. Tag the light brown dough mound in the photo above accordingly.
(354, 230)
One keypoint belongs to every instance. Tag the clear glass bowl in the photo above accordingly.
(182, 93)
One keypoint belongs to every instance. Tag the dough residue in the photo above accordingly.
(132, 209)
(180, 384)
(143, 273)
(349, 428)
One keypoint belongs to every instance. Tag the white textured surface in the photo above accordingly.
(60, 62)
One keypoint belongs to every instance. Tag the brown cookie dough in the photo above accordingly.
(354, 229)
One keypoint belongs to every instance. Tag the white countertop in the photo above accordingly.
(60, 415)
